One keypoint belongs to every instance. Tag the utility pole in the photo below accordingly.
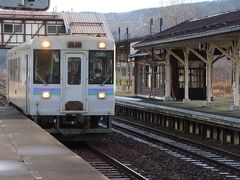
(128, 62)
(153, 74)
(151, 64)
(160, 24)
(119, 34)
(151, 24)
(127, 33)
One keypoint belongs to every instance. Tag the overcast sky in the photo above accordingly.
(105, 6)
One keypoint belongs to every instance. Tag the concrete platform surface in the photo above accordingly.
(28, 152)
(192, 109)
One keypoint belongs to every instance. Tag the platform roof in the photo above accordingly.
(227, 24)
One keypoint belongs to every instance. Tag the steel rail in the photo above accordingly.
(117, 163)
(237, 156)
(182, 149)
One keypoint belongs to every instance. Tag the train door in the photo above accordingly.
(74, 83)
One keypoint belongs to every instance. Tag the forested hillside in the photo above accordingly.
(138, 22)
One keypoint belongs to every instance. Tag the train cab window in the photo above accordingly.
(46, 66)
(74, 70)
(101, 67)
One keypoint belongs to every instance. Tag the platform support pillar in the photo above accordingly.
(215, 133)
(186, 76)
(221, 136)
(168, 78)
(197, 131)
(208, 133)
(181, 125)
(209, 81)
(175, 125)
(190, 128)
(209, 76)
(228, 138)
(236, 138)
(235, 106)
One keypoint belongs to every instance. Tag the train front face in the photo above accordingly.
(73, 88)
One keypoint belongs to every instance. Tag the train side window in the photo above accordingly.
(74, 70)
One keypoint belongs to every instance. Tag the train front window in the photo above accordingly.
(46, 66)
(101, 67)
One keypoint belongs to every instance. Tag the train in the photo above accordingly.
(64, 83)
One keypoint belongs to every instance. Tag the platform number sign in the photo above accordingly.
(203, 46)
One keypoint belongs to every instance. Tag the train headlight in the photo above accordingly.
(46, 95)
(45, 44)
(102, 95)
(102, 45)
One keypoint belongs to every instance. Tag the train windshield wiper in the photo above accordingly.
(108, 77)
(41, 79)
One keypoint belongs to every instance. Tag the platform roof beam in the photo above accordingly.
(197, 54)
(175, 56)
(157, 57)
(215, 46)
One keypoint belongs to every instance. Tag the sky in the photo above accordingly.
(106, 6)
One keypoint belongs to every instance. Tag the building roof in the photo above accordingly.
(81, 23)
(10, 14)
(196, 28)
(86, 23)
(138, 54)
(131, 40)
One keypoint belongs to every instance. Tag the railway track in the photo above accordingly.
(105, 164)
(3, 101)
(2, 87)
(222, 162)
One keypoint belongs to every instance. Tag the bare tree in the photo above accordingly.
(179, 11)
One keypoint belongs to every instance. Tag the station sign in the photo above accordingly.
(203, 46)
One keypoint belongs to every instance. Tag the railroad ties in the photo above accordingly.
(222, 162)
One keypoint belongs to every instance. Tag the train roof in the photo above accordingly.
(65, 38)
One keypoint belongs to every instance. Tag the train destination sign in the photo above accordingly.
(101, 54)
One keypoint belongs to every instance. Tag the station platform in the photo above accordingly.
(28, 152)
(194, 109)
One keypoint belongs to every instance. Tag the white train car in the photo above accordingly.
(65, 83)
